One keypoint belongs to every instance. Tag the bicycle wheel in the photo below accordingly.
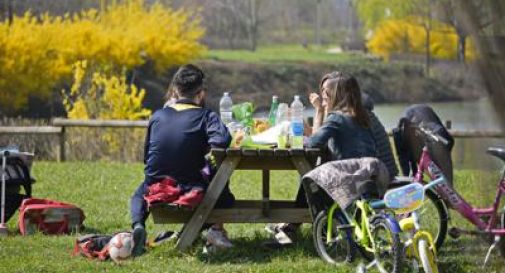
(427, 256)
(339, 250)
(388, 248)
(433, 216)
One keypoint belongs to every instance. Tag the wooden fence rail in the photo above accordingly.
(59, 126)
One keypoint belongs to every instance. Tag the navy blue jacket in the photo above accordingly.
(344, 138)
(177, 140)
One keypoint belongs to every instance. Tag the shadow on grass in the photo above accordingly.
(253, 250)
(466, 253)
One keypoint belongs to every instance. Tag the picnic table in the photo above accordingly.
(244, 211)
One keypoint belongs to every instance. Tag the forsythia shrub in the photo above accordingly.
(37, 53)
(97, 93)
(405, 36)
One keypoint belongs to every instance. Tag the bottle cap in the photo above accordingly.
(226, 93)
(275, 98)
(297, 97)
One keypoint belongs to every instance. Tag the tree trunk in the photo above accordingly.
(461, 48)
(9, 11)
(428, 52)
(253, 25)
(317, 36)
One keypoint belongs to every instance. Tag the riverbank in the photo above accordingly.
(257, 81)
(286, 71)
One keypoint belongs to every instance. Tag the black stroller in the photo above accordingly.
(15, 173)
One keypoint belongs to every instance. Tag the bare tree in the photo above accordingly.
(490, 43)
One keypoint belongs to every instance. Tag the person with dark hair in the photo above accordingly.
(178, 138)
(381, 138)
(341, 125)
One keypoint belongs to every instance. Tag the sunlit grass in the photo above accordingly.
(277, 53)
(102, 190)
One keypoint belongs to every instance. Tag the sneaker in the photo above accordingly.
(209, 249)
(218, 238)
(284, 234)
(165, 236)
(139, 240)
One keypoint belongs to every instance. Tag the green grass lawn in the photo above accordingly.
(103, 191)
(277, 53)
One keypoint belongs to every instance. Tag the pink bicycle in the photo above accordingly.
(488, 221)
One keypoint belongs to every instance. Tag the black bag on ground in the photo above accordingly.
(17, 175)
(93, 246)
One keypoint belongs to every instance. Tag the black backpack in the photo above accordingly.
(17, 175)
(409, 145)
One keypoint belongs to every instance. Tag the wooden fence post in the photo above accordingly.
(62, 145)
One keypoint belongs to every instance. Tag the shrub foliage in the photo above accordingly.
(37, 53)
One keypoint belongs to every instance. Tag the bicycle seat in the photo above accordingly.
(497, 151)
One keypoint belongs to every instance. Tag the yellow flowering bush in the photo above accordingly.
(37, 53)
(98, 93)
(405, 36)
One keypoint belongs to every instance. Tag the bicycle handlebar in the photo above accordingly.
(434, 136)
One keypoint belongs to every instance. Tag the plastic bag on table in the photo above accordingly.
(243, 113)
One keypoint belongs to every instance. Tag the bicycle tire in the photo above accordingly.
(319, 230)
(443, 216)
(427, 257)
(380, 223)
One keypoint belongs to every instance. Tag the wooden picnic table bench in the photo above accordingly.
(243, 211)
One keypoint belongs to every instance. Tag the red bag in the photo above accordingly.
(49, 217)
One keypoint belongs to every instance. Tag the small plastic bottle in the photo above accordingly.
(297, 123)
(225, 108)
(273, 111)
(282, 113)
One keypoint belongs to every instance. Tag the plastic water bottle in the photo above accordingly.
(225, 108)
(273, 111)
(297, 123)
(282, 113)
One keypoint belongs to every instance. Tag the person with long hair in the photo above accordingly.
(341, 126)
(346, 127)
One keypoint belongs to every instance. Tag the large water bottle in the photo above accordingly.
(225, 108)
(297, 123)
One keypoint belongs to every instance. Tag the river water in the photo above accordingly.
(470, 115)
(468, 153)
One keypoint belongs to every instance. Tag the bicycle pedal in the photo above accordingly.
(345, 226)
(454, 232)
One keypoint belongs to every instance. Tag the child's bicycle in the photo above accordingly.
(488, 221)
(419, 245)
(376, 235)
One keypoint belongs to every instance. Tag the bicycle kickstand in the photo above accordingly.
(491, 248)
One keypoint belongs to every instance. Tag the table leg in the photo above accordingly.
(266, 192)
(193, 227)
(302, 165)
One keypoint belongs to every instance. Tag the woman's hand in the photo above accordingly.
(315, 100)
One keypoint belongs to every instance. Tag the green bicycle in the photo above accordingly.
(375, 235)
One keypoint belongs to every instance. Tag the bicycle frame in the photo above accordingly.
(361, 230)
(456, 201)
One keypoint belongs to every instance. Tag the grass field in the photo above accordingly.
(103, 190)
(278, 53)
